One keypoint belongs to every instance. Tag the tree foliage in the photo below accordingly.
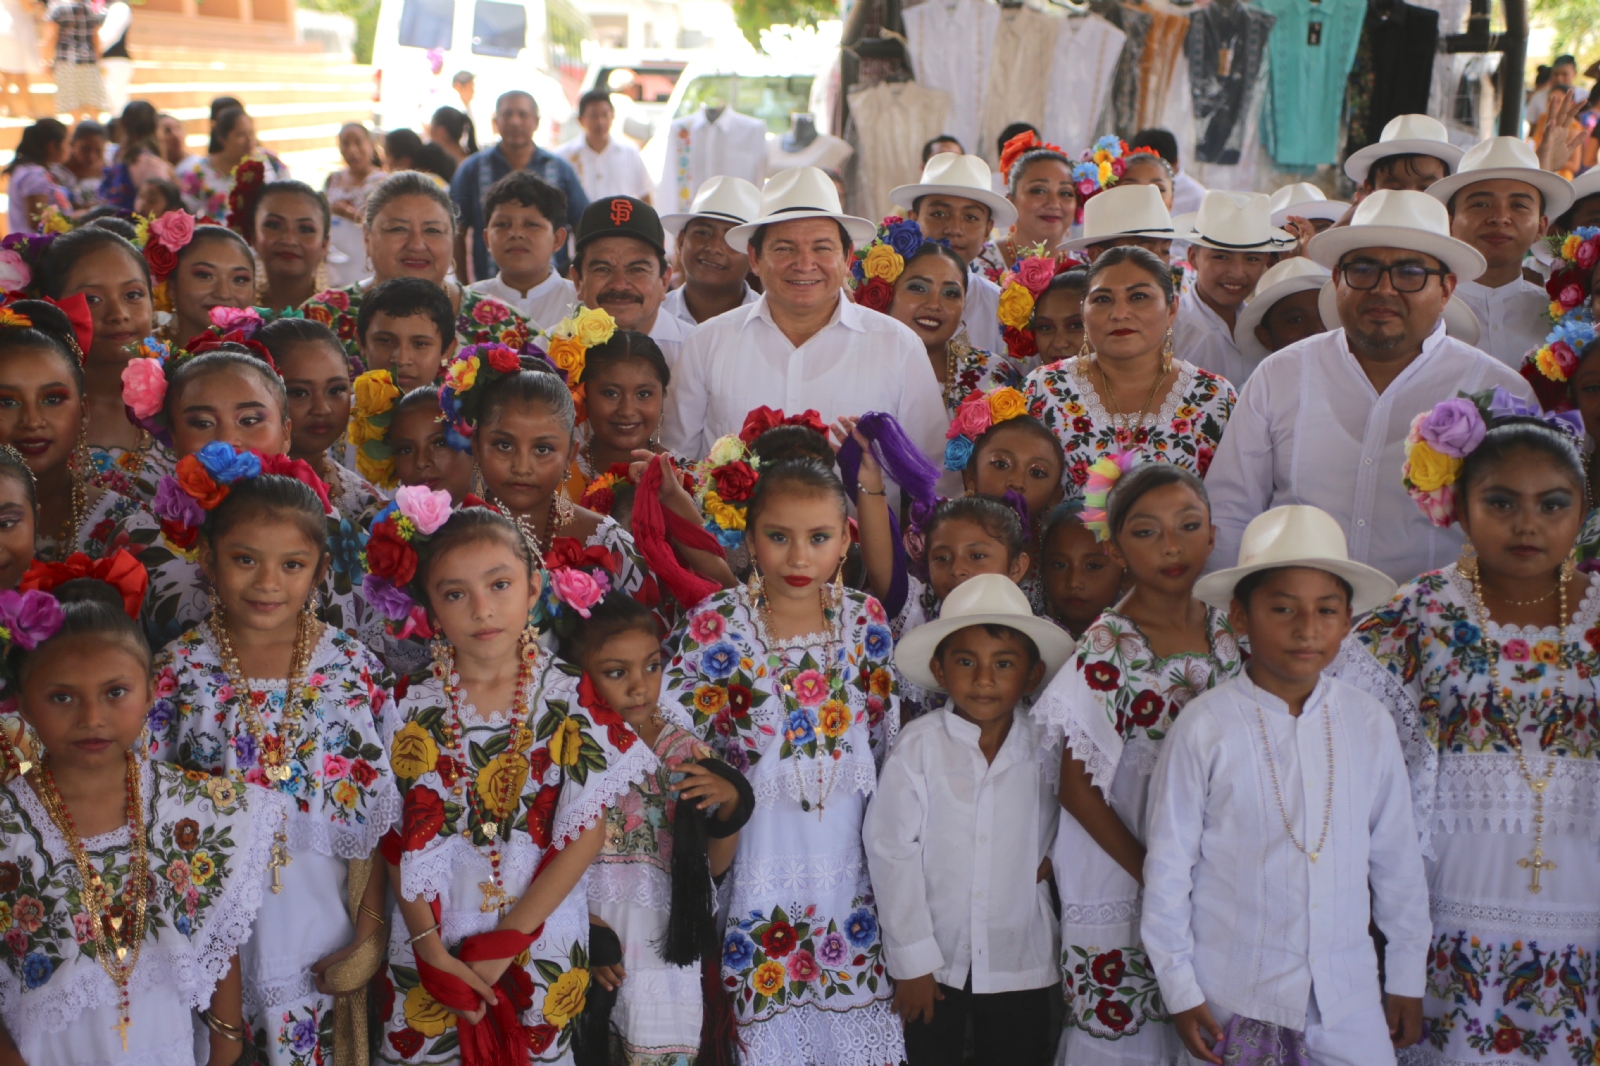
(365, 12)
(1576, 24)
(756, 15)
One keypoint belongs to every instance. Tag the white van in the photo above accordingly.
(533, 45)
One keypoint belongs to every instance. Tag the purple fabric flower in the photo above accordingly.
(1504, 404)
(382, 594)
(304, 1035)
(31, 617)
(175, 505)
(244, 750)
(833, 952)
(1454, 427)
(160, 716)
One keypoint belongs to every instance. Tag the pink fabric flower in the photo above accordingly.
(1565, 357)
(334, 767)
(338, 299)
(14, 273)
(810, 688)
(1588, 253)
(971, 419)
(488, 312)
(802, 966)
(166, 683)
(578, 589)
(229, 319)
(1439, 505)
(1036, 274)
(428, 509)
(707, 627)
(174, 230)
(144, 387)
(1570, 297)
(1517, 650)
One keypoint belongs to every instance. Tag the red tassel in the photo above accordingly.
(650, 524)
(719, 1029)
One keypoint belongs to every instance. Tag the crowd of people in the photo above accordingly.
(1036, 627)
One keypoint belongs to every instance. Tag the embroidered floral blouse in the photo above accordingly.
(481, 320)
(95, 534)
(340, 788)
(1185, 429)
(975, 368)
(135, 474)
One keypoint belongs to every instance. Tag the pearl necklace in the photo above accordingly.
(1272, 769)
(1535, 861)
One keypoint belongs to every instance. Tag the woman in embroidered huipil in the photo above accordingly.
(1489, 668)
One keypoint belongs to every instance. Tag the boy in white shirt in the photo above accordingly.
(527, 226)
(957, 834)
(1280, 826)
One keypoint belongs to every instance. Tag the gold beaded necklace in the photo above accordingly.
(833, 627)
(561, 513)
(1272, 769)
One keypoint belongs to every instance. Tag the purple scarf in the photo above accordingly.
(1247, 1042)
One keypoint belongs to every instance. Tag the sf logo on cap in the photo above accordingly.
(621, 211)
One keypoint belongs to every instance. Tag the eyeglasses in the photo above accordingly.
(1405, 277)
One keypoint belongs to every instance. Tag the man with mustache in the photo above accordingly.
(621, 266)
(1324, 420)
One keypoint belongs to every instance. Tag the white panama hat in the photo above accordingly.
(988, 599)
(1507, 158)
(1460, 321)
(1233, 222)
(1124, 211)
(1297, 535)
(1400, 218)
(1298, 274)
(1305, 200)
(1405, 135)
(723, 198)
(966, 176)
(796, 193)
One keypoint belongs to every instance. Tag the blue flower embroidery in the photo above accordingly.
(719, 660)
(879, 642)
(737, 951)
(36, 970)
(800, 730)
(862, 928)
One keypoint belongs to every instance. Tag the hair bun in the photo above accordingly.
(87, 590)
(47, 317)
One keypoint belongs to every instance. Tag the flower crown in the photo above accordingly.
(161, 239)
(120, 570)
(976, 415)
(877, 264)
(1020, 289)
(1441, 439)
(1019, 146)
(1572, 275)
(600, 496)
(1104, 473)
(249, 177)
(725, 481)
(576, 578)
(371, 411)
(30, 615)
(19, 254)
(1552, 364)
(1101, 167)
(400, 534)
(474, 368)
(203, 480)
(570, 341)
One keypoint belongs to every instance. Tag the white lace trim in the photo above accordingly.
(795, 880)
(262, 996)
(1474, 917)
(432, 873)
(853, 1034)
(1486, 792)
(639, 883)
(1098, 414)
(311, 832)
(1055, 715)
(637, 763)
(1356, 666)
(1582, 618)
(1115, 912)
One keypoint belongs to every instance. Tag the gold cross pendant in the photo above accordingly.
(1537, 863)
(280, 859)
(494, 897)
(122, 1030)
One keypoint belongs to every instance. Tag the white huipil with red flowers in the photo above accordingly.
(1113, 709)
(568, 761)
(341, 801)
(802, 956)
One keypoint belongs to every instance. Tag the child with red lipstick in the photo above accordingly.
(666, 838)
(266, 693)
(1136, 667)
(316, 377)
(508, 765)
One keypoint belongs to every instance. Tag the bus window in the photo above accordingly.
(427, 23)
(499, 29)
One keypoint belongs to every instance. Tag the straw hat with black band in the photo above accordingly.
(797, 193)
(723, 198)
(1297, 535)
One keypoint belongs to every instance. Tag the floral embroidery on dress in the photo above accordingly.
(977, 370)
(776, 959)
(1185, 430)
(95, 534)
(132, 473)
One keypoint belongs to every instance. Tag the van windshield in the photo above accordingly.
(769, 98)
(427, 23)
(499, 29)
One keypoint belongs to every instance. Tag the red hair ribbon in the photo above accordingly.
(76, 308)
(764, 418)
(120, 570)
(301, 471)
(653, 524)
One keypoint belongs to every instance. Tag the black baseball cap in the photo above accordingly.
(621, 216)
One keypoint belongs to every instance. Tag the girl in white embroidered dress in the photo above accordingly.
(789, 679)
(265, 693)
(1136, 667)
(80, 985)
(503, 808)
(1489, 668)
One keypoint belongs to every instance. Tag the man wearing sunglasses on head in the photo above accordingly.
(1324, 421)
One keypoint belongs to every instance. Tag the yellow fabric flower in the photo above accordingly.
(378, 471)
(500, 782)
(1006, 404)
(425, 1014)
(568, 355)
(1106, 174)
(834, 718)
(592, 326)
(462, 374)
(346, 794)
(725, 450)
(201, 867)
(1546, 362)
(412, 753)
(1569, 247)
(565, 998)
(709, 699)
(161, 297)
(883, 262)
(1556, 310)
(768, 978)
(565, 743)
(9, 317)
(1429, 470)
(1546, 652)
(374, 393)
(1016, 306)
(726, 515)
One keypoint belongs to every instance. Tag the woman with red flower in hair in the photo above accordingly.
(1137, 666)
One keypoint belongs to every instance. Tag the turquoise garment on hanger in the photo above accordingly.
(1310, 53)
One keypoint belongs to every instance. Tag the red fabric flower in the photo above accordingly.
(406, 1042)
(1146, 709)
(542, 815)
(736, 481)
(1020, 343)
(1102, 677)
(503, 359)
(758, 422)
(539, 762)
(363, 772)
(161, 260)
(423, 817)
(778, 940)
(739, 701)
(301, 471)
(180, 536)
(120, 570)
(1108, 969)
(570, 552)
(875, 294)
(388, 556)
(1113, 1014)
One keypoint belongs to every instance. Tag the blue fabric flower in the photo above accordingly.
(36, 970)
(957, 453)
(456, 439)
(879, 642)
(737, 951)
(862, 928)
(719, 660)
(183, 925)
(346, 547)
(800, 729)
(226, 465)
(728, 538)
(905, 238)
(1464, 634)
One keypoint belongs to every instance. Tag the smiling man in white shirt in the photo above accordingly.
(605, 165)
(803, 345)
(714, 274)
(1232, 243)
(621, 266)
(1324, 421)
(1500, 202)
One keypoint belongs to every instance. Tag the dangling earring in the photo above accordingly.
(1569, 565)
(215, 602)
(312, 604)
(80, 463)
(753, 584)
(478, 488)
(1467, 561)
(1166, 353)
(1085, 351)
(439, 652)
(144, 742)
(563, 507)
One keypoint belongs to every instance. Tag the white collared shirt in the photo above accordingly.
(954, 844)
(1310, 428)
(678, 307)
(1512, 317)
(1234, 913)
(1199, 336)
(669, 332)
(860, 361)
(616, 171)
(545, 304)
(982, 315)
(698, 149)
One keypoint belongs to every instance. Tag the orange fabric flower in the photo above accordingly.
(194, 480)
